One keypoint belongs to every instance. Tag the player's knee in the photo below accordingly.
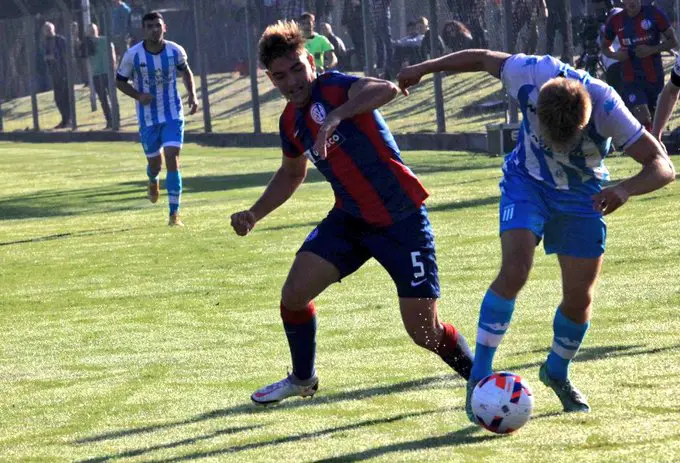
(577, 303)
(513, 276)
(293, 296)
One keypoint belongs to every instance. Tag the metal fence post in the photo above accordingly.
(113, 89)
(511, 113)
(569, 47)
(70, 62)
(85, 5)
(199, 17)
(434, 47)
(369, 48)
(252, 70)
(31, 57)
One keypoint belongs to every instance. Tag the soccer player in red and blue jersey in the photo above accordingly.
(332, 120)
(640, 30)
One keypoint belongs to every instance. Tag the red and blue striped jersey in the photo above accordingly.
(364, 166)
(645, 28)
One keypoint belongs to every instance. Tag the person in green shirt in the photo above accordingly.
(99, 62)
(317, 45)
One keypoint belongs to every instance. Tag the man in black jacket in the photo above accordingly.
(56, 58)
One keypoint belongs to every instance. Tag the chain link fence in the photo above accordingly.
(220, 37)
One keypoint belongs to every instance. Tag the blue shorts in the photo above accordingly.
(569, 228)
(405, 249)
(170, 133)
(641, 93)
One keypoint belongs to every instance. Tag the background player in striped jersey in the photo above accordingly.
(332, 121)
(153, 65)
(551, 189)
(640, 30)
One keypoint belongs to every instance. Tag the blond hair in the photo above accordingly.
(564, 109)
(280, 39)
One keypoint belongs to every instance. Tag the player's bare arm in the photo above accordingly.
(657, 171)
(281, 187)
(330, 60)
(129, 90)
(667, 101)
(189, 84)
(364, 95)
(669, 42)
(475, 60)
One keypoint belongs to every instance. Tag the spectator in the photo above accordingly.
(353, 21)
(526, 13)
(96, 47)
(120, 26)
(471, 13)
(77, 53)
(612, 66)
(338, 45)
(137, 11)
(56, 59)
(317, 45)
(557, 22)
(381, 15)
(407, 48)
(457, 36)
(423, 27)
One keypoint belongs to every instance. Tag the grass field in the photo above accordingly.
(124, 340)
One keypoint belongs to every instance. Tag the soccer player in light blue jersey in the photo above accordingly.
(153, 65)
(552, 191)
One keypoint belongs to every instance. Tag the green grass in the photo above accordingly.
(126, 340)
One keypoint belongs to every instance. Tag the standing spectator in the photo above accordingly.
(99, 61)
(457, 36)
(407, 48)
(526, 13)
(353, 21)
(317, 45)
(56, 59)
(613, 70)
(120, 26)
(557, 22)
(423, 27)
(640, 29)
(382, 30)
(137, 12)
(471, 13)
(338, 45)
(77, 53)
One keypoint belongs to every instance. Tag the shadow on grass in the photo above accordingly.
(58, 236)
(589, 354)
(455, 205)
(250, 409)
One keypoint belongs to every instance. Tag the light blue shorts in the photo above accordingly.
(567, 229)
(153, 138)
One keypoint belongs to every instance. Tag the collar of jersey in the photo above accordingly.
(149, 51)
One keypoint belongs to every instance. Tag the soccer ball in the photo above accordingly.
(502, 402)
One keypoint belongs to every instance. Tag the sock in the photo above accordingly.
(153, 176)
(566, 342)
(454, 350)
(173, 183)
(494, 320)
(300, 327)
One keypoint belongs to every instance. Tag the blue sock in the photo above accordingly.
(173, 183)
(153, 177)
(300, 327)
(494, 320)
(566, 342)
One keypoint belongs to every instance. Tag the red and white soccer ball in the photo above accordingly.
(502, 402)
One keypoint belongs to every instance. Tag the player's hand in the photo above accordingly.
(193, 104)
(621, 54)
(145, 98)
(408, 77)
(325, 131)
(610, 199)
(242, 222)
(643, 51)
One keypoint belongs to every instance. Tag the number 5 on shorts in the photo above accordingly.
(418, 267)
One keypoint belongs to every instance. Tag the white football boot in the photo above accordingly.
(285, 388)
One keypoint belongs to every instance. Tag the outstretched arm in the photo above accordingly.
(366, 94)
(657, 171)
(474, 60)
(281, 187)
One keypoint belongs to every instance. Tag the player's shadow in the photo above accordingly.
(209, 183)
(456, 205)
(250, 409)
(589, 354)
(59, 236)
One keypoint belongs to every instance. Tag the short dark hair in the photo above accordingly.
(279, 40)
(151, 16)
(307, 15)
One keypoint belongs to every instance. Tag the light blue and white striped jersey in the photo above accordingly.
(581, 170)
(155, 73)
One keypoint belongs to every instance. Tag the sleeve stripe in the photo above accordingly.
(633, 139)
(121, 78)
